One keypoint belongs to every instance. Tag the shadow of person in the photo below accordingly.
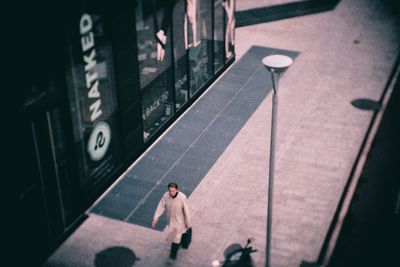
(115, 256)
(309, 264)
(366, 104)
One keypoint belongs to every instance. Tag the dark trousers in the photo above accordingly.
(174, 250)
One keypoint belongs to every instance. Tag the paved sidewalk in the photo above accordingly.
(186, 153)
(344, 54)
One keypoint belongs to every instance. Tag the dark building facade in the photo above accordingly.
(101, 81)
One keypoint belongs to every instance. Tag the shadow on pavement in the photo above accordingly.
(115, 256)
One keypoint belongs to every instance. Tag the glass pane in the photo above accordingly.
(198, 22)
(91, 88)
(180, 55)
(63, 174)
(153, 19)
(219, 33)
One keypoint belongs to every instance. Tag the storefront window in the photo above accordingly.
(198, 40)
(180, 54)
(219, 46)
(153, 19)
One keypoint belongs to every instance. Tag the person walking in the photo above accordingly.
(175, 204)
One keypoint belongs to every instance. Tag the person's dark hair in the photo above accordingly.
(174, 185)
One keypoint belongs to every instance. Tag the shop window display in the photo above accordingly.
(198, 41)
(229, 6)
(219, 33)
(153, 19)
(180, 54)
(178, 51)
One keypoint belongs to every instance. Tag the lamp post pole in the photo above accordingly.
(275, 64)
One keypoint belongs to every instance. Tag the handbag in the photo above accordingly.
(186, 238)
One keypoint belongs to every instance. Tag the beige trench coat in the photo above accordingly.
(178, 215)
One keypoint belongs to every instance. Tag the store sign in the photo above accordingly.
(180, 83)
(92, 98)
(155, 105)
(101, 134)
(99, 141)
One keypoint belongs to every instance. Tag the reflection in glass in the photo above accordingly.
(199, 42)
(229, 6)
(192, 37)
(180, 55)
(153, 19)
(176, 50)
(219, 54)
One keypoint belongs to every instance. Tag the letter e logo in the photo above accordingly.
(99, 141)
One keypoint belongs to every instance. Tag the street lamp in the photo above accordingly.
(276, 64)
